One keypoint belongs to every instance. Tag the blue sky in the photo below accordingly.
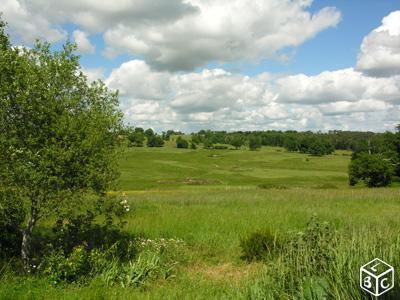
(232, 64)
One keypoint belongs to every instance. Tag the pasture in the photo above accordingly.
(210, 200)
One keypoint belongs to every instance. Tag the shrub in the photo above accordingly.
(73, 267)
(258, 245)
(181, 143)
(155, 141)
(373, 169)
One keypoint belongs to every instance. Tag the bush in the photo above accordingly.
(73, 267)
(181, 143)
(258, 245)
(155, 141)
(373, 169)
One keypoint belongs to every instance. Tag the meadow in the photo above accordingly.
(205, 202)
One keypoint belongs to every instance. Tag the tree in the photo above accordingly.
(237, 141)
(254, 142)
(181, 143)
(58, 134)
(291, 144)
(207, 144)
(373, 169)
(155, 141)
(149, 133)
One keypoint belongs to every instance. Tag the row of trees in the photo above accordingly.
(314, 143)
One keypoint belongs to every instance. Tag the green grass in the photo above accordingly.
(212, 199)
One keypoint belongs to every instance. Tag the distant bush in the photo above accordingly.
(193, 145)
(373, 169)
(182, 143)
(155, 141)
(258, 245)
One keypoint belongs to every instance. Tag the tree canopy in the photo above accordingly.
(58, 134)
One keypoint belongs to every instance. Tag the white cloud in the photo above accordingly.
(380, 50)
(182, 34)
(136, 80)
(93, 74)
(216, 98)
(82, 40)
(28, 25)
(222, 31)
(345, 85)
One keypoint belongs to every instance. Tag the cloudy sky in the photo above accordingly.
(232, 64)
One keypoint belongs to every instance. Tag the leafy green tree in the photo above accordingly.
(237, 141)
(149, 133)
(192, 145)
(373, 169)
(155, 141)
(182, 143)
(208, 144)
(58, 134)
(291, 144)
(254, 142)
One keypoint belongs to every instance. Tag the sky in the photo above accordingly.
(231, 64)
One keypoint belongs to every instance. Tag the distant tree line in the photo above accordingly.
(314, 143)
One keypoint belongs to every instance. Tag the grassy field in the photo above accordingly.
(209, 200)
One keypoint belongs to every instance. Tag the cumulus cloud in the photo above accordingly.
(182, 34)
(93, 74)
(345, 85)
(28, 25)
(136, 80)
(216, 98)
(82, 40)
(380, 50)
(221, 31)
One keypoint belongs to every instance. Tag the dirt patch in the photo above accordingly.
(190, 181)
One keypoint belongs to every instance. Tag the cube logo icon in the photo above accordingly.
(376, 277)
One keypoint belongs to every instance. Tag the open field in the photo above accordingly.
(211, 199)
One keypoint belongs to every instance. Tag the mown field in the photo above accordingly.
(202, 203)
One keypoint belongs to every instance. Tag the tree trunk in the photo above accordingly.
(27, 239)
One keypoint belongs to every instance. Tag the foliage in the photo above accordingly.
(258, 245)
(12, 216)
(135, 136)
(155, 141)
(58, 134)
(208, 144)
(373, 169)
(182, 143)
(254, 142)
(236, 141)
